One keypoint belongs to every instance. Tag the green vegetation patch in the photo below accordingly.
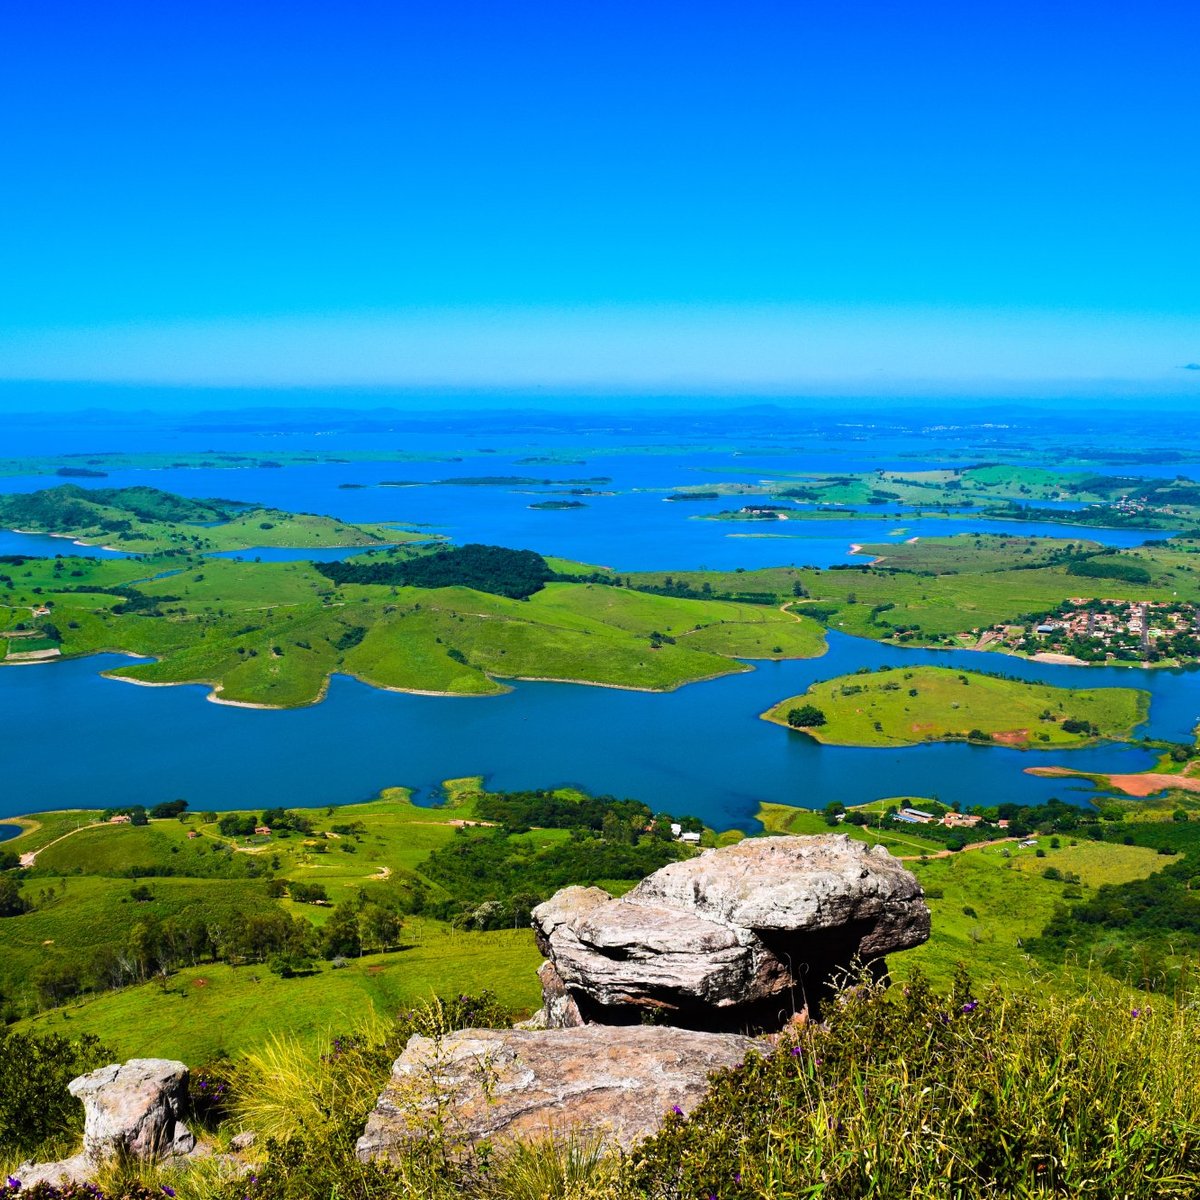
(896, 707)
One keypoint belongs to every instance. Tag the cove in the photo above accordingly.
(69, 737)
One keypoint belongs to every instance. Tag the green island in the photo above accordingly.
(425, 619)
(899, 707)
(1005, 491)
(144, 520)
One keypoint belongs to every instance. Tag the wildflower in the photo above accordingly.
(677, 1110)
(796, 1051)
(167, 1190)
(13, 1184)
(1137, 1012)
(970, 1006)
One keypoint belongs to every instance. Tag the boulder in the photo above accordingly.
(130, 1111)
(503, 1084)
(135, 1110)
(742, 937)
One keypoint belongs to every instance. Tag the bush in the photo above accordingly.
(1005, 1096)
(807, 716)
(38, 1116)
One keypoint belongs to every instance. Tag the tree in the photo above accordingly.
(807, 716)
(379, 927)
(340, 938)
(12, 903)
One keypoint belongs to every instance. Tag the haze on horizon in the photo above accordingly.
(774, 200)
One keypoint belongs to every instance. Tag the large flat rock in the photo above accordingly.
(741, 937)
(497, 1085)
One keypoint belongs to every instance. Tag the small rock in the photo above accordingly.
(77, 1169)
(503, 1084)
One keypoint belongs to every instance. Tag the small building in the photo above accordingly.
(192, 834)
(915, 816)
(263, 830)
(691, 839)
(1046, 628)
(121, 819)
(676, 829)
(1027, 843)
(954, 820)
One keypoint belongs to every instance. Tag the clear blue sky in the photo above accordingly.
(787, 195)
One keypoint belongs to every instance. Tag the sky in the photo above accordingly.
(967, 198)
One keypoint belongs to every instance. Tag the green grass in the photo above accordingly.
(895, 707)
(1010, 903)
(273, 633)
(207, 1011)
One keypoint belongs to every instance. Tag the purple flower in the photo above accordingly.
(167, 1190)
(13, 1184)
(796, 1051)
(1137, 1012)
(677, 1110)
(970, 1006)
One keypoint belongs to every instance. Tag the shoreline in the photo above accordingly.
(1138, 784)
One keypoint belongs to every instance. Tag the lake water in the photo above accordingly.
(69, 736)
(634, 529)
(66, 734)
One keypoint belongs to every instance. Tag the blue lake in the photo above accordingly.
(635, 529)
(68, 734)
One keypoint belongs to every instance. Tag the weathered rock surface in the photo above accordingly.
(617, 1084)
(134, 1110)
(77, 1169)
(742, 936)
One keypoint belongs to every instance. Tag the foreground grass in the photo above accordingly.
(897, 707)
(914, 1092)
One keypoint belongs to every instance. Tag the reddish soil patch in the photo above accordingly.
(1012, 737)
(1147, 783)
(376, 970)
(199, 983)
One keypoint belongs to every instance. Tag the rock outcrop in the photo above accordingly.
(741, 937)
(503, 1084)
(135, 1110)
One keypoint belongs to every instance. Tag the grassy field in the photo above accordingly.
(985, 900)
(895, 707)
(202, 1013)
(273, 633)
(146, 521)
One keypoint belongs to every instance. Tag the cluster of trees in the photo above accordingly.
(806, 716)
(620, 820)
(278, 820)
(156, 946)
(1145, 931)
(495, 876)
(517, 574)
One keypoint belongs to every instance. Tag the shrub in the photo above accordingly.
(38, 1116)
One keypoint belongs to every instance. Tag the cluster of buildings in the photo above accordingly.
(1120, 622)
(950, 820)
